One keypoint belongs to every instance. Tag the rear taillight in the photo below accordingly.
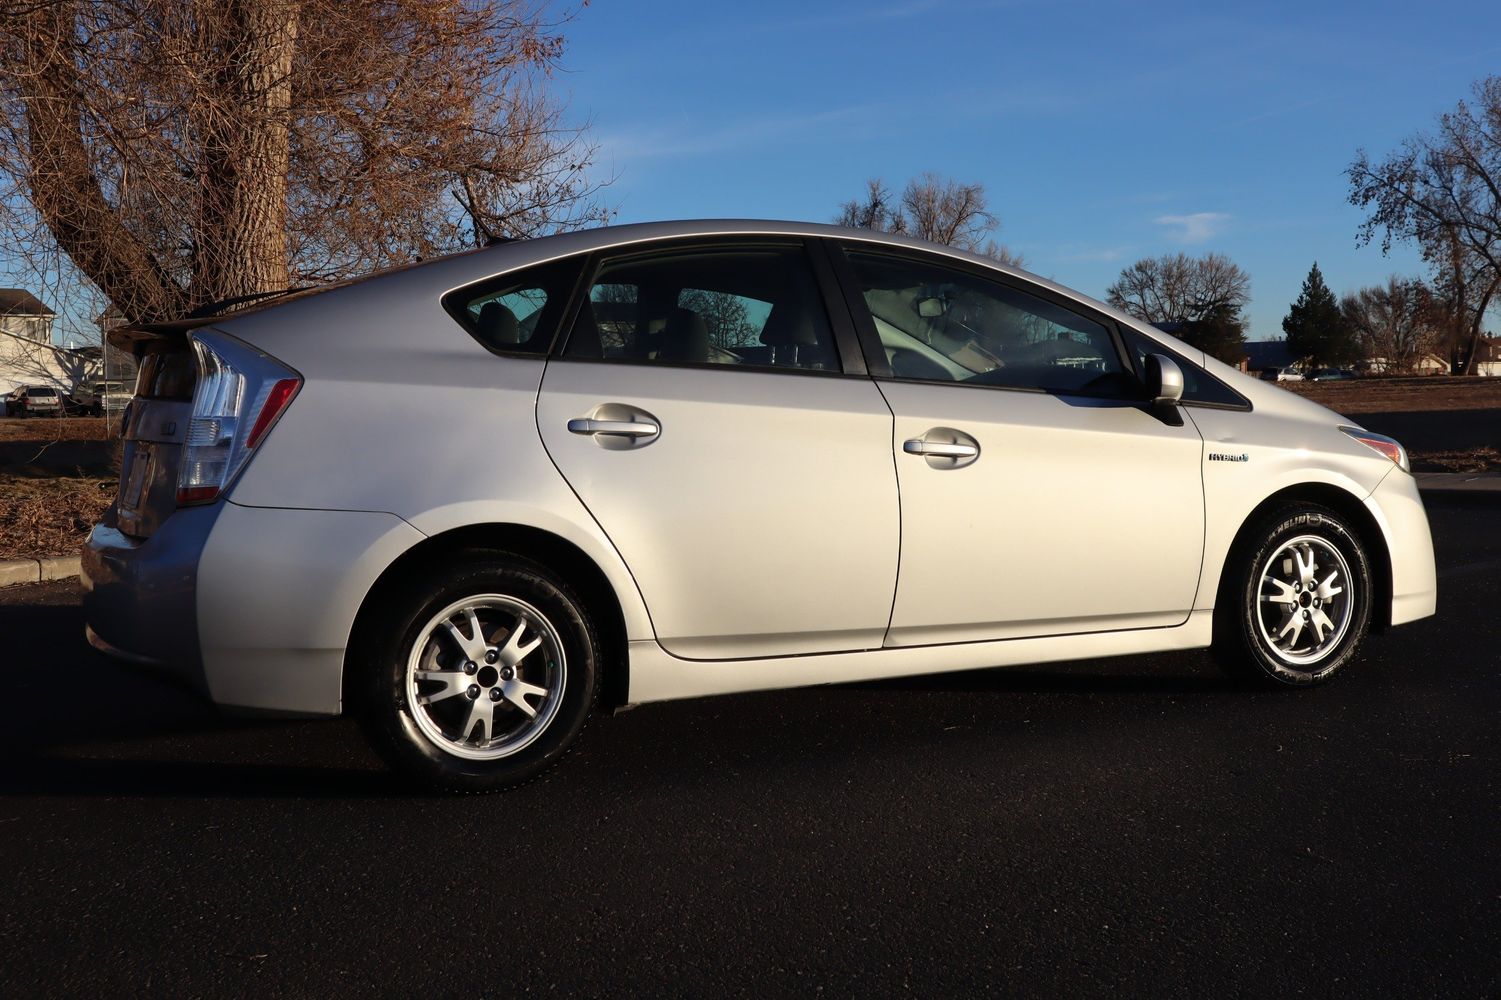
(240, 394)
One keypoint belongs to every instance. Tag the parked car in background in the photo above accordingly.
(99, 397)
(1289, 375)
(1330, 375)
(34, 401)
(476, 499)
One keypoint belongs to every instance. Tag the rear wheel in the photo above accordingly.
(1297, 601)
(480, 674)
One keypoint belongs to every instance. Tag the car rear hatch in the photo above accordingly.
(204, 401)
(153, 429)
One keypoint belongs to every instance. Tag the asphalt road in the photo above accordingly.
(1135, 827)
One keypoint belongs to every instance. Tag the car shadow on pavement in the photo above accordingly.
(148, 778)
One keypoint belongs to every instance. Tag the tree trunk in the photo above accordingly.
(245, 144)
(63, 186)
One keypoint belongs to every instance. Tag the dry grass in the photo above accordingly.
(1402, 395)
(58, 429)
(49, 516)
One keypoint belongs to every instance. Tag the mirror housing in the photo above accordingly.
(1164, 380)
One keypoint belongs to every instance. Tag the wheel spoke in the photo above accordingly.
(516, 691)
(480, 717)
(473, 645)
(1285, 595)
(515, 650)
(1306, 566)
(1294, 624)
(454, 682)
(1327, 589)
(1321, 623)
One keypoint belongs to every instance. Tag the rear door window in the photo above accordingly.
(752, 306)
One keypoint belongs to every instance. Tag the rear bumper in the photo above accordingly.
(250, 606)
(140, 595)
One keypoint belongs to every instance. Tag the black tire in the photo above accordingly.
(1241, 643)
(386, 651)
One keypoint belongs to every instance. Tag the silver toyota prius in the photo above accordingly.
(477, 499)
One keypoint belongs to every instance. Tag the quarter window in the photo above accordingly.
(944, 324)
(747, 306)
(518, 313)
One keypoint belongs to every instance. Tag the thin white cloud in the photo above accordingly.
(1081, 254)
(694, 140)
(1194, 228)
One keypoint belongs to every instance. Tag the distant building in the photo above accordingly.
(24, 315)
(114, 363)
(27, 355)
(1264, 354)
(1488, 357)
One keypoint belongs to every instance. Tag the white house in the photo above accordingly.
(27, 354)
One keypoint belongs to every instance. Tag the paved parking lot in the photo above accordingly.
(1138, 826)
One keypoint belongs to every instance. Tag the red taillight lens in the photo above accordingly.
(187, 495)
(277, 400)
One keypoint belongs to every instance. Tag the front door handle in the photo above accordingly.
(613, 428)
(944, 448)
(917, 446)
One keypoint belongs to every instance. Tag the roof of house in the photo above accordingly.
(20, 302)
(1268, 354)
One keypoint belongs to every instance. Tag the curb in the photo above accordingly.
(14, 571)
(1460, 487)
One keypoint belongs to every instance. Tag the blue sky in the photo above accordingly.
(1102, 132)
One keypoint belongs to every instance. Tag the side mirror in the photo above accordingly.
(1164, 380)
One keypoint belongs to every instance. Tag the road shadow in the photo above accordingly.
(172, 778)
(1437, 430)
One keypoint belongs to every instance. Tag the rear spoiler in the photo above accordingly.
(133, 338)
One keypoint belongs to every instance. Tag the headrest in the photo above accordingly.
(685, 338)
(498, 326)
(788, 325)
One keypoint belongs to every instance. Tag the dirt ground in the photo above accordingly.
(1398, 395)
(57, 429)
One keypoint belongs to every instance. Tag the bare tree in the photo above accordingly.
(180, 152)
(1177, 288)
(932, 208)
(1398, 322)
(1443, 191)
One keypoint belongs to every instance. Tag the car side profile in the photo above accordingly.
(478, 499)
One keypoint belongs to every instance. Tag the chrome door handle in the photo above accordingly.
(917, 446)
(613, 428)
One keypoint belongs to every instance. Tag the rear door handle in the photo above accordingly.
(917, 446)
(613, 428)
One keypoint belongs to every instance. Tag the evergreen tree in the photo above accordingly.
(1316, 328)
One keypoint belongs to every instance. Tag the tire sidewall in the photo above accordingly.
(389, 716)
(1303, 520)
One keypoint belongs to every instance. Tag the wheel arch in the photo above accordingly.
(574, 565)
(1356, 515)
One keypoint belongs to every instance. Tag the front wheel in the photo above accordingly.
(1297, 600)
(480, 673)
